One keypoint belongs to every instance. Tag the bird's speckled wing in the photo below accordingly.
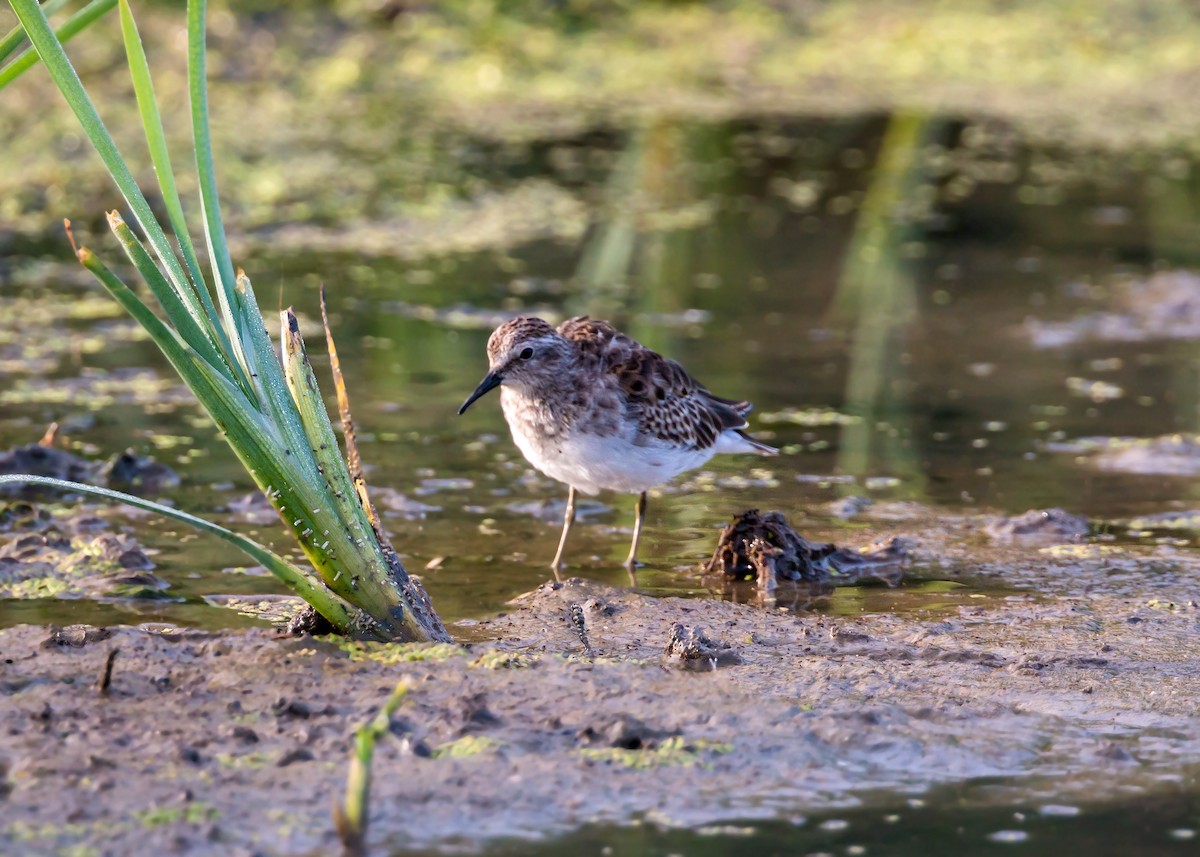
(669, 405)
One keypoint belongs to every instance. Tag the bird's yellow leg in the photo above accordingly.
(568, 520)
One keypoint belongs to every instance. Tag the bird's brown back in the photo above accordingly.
(668, 403)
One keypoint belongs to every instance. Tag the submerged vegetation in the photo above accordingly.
(270, 411)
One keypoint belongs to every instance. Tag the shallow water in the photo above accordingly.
(1166, 826)
(736, 248)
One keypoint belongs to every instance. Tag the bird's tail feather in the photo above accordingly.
(759, 447)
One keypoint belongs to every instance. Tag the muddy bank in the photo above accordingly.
(572, 704)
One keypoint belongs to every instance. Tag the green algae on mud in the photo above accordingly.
(79, 565)
(672, 751)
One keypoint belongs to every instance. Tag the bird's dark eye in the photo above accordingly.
(526, 353)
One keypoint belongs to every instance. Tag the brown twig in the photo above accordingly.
(106, 677)
(353, 459)
(416, 595)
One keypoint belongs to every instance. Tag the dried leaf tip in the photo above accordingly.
(49, 437)
(115, 219)
(71, 237)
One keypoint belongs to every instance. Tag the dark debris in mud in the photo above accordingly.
(308, 621)
(764, 547)
(126, 471)
(689, 648)
(1047, 525)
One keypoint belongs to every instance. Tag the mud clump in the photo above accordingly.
(1171, 455)
(22, 517)
(1163, 521)
(689, 648)
(848, 507)
(252, 508)
(764, 547)
(125, 471)
(623, 732)
(1039, 525)
(38, 460)
(75, 636)
(51, 564)
(139, 474)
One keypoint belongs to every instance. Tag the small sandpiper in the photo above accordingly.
(591, 407)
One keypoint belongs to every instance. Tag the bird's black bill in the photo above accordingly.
(492, 379)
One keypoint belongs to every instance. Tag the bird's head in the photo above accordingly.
(524, 352)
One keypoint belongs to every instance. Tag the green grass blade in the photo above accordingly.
(343, 616)
(180, 315)
(350, 818)
(143, 85)
(15, 39)
(206, 172)
(256, 441)
(73, 26)
(268, 377)
(297, 371)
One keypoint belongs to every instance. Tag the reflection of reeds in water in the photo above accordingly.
(603, 272)
(876, 303)
(1172, 200)
(642, 255)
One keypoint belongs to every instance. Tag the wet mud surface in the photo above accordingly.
(585, 703)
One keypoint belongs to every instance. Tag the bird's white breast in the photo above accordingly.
(594, 461)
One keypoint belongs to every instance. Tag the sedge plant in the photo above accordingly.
(267, 407)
